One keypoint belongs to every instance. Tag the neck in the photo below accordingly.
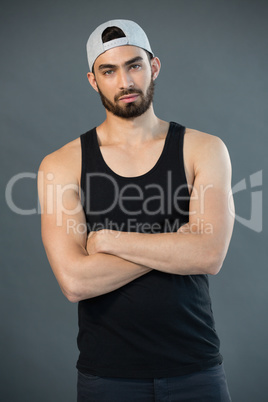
(117, 130)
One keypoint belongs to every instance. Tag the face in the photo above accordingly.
(124, 79)
(132, 106)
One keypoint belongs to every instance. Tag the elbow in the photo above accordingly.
(71, 297)
(72, 276)
(71, 289)
(70, 293)
(216, 263)
(75, 290)
(72, 281)
(215, 269)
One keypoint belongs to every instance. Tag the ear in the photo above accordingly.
(156, 66)
(92, 80)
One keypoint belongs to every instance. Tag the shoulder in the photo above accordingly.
(205, 155)
(201, 139)
(203, 147)
(65, 163)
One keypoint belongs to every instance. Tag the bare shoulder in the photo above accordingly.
(196, 139)
(205, 155)
(65, 163)
(201, 146)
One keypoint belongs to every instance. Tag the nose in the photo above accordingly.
(125, 80)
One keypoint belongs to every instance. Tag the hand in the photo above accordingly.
(101, 241)
(93, 242)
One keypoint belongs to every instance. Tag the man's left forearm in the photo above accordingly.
(177, 253)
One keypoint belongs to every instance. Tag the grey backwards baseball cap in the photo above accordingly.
(134, 36)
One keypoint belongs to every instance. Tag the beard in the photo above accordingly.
(132, 109)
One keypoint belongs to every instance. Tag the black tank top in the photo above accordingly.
(159, 325)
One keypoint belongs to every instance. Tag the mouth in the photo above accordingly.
(129, 98)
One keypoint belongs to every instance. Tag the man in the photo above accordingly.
(135, 216)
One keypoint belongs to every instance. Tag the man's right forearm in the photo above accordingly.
(97, 274)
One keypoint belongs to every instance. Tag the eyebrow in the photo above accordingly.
(127, 63)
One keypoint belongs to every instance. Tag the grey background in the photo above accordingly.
(213, 78)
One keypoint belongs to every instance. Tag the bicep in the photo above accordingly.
(63, 224)
(211, 207)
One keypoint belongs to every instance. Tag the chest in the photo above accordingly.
(137, 161)
(132, 161)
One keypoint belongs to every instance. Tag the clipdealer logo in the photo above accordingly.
(254, 222)
(256, 215)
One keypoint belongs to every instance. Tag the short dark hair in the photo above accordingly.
(111, 33)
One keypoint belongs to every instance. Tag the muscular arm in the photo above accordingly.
(202, 247)
(64, 235)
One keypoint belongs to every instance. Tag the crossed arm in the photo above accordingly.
(106, 260)
(200, 246)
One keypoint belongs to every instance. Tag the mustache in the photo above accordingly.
(128, 92)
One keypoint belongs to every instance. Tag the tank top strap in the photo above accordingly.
(176, 134)
(88, 146)
(174, 149)
(89, 160)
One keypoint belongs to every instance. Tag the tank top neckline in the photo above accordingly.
(107, 167)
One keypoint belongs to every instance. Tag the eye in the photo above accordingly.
(135, 66)
(108, 72)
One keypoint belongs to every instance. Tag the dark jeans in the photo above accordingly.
(209, 385)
